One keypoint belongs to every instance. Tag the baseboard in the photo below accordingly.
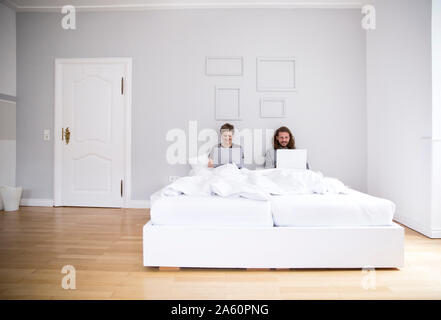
(413, 224)
(433, 233)
(37, 202)
(138, 204)
(135, 204)
(436, 233)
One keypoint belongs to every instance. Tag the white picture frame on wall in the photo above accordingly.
(227, 103)
(276, 74)
(272, 107)
(224, 66)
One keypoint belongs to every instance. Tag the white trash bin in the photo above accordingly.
(11, 197)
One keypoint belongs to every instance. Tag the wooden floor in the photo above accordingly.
(105, 247)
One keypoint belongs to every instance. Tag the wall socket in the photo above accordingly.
(173, 178)
(46, 134)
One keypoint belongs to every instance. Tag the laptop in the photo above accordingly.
(226, 155)
(291, 159)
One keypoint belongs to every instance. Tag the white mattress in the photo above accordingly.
(210, 211)
(353, 209)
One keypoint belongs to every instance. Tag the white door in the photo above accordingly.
(90, 115)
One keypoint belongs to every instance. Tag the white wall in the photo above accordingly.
(436, 118)
(399, 109)
(7, 95)
(169, 47)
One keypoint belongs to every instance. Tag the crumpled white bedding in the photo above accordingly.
(229, 181)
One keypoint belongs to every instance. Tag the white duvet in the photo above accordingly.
(229, 181)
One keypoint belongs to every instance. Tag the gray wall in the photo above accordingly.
(399, 108)
(7, 143)
(7, 51)
(7, 120)
(327, 114)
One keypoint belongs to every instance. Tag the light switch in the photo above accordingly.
(46, 134)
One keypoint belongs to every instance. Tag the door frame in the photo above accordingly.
(58, 117)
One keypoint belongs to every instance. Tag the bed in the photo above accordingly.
(291, 230)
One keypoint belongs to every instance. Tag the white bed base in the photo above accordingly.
(273, 247)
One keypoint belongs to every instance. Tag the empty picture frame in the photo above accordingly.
(272, 108)
(276, 74)
(224, 66)
(227, 103)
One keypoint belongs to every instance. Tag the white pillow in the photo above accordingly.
(199, 162)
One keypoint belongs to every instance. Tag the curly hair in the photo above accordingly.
(291, 143)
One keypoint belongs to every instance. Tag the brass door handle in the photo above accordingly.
(65, 135)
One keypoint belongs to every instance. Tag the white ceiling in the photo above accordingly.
(96, 5)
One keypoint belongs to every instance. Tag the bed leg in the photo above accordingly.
(169, 268)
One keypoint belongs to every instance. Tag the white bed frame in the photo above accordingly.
(273, 247)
